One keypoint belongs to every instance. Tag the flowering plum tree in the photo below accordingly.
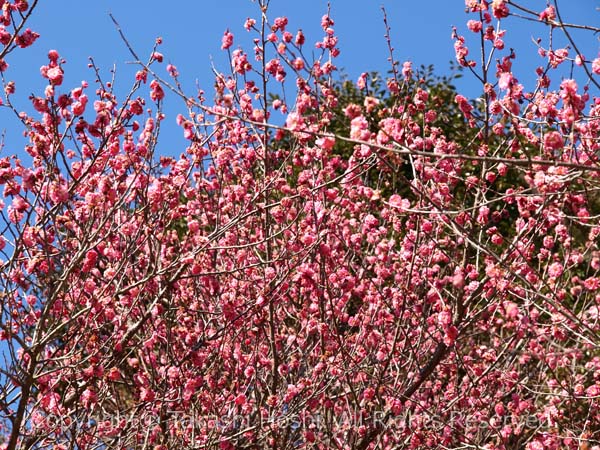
(351, 275)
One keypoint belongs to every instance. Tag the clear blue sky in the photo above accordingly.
(192, 30)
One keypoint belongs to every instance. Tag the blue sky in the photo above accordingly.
(192, 30)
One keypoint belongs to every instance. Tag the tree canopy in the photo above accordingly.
(391, 265)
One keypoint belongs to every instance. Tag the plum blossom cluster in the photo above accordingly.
(13, 33)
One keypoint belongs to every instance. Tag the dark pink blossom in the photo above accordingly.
(227, 40)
